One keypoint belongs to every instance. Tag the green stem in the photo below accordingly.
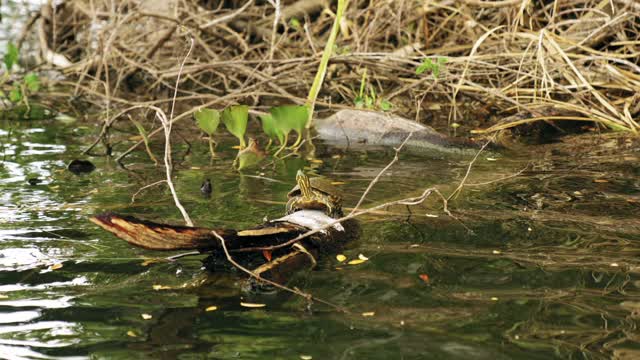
(324, 61)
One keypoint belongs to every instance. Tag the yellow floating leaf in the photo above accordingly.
(56, 266)
(369, 313)
(362, 257)
(161, 287)
(211, 308)
(317, 161)
(149, 262)
(356, 262)
(131, 333)
(341, 258)
(196, 168)
(146, 316)
(494, 299)
(252, 305)
(306, 357)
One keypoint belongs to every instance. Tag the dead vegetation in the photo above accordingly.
(519, 61)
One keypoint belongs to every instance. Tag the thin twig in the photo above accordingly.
(307, 296)
(377, 178)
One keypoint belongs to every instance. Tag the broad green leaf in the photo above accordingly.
(208, 120)
(32, 81)
(11, 57)
(235, 119)
(270, 129)
(426, 65)
(15, 95)
(290, 117)
(385, 105)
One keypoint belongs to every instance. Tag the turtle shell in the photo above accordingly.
(319, 184)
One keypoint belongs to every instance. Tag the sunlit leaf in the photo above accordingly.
(235, 119)
(341, 258)
(356, 262)
(368, 313)
(32, 81)
(11, 56)
(131, 333)
(252, 305)
(208, 120)
(56, 266)
(270, 129)
(362, 257)
(211, 308)
(306, 357)
(146, 316)
(161, 287)
(290, 117)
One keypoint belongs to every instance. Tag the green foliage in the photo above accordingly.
(235, 118)
(32, 82)
(369, 100)
(208, 120)
(11, 56)
(290, 117)
(434, 66)
(270, 129)
(15, 95)
(295, 24)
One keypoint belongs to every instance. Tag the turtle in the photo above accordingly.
(314, 193)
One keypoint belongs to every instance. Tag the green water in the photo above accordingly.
(513, 276)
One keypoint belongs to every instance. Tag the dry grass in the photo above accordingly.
(521, 60)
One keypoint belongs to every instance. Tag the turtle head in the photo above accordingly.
(305, 185)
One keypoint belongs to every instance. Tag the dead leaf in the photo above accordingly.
(211, 308)
(252, 305)
(131, 333)
(161, 287)
(341, 258)
(338, 183)
(600, 180)
(317, 161)
(368, 313)
(356, 262)
(56, 266)
(266, 254)
(424, 277)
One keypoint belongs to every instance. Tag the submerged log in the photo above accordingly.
(245, 244)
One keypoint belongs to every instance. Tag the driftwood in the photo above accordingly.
(272, 265)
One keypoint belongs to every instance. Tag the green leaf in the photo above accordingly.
(290, 117)
(11, 57)
(270, 129)
(294, 23)
(435, 70)
(235, 119)
(358, 102)
(427, 64)
(442, 60)
(208, 120)
(385, 105)
(15, 95)
(32, 81)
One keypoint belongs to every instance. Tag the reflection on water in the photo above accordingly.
(529, 268)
